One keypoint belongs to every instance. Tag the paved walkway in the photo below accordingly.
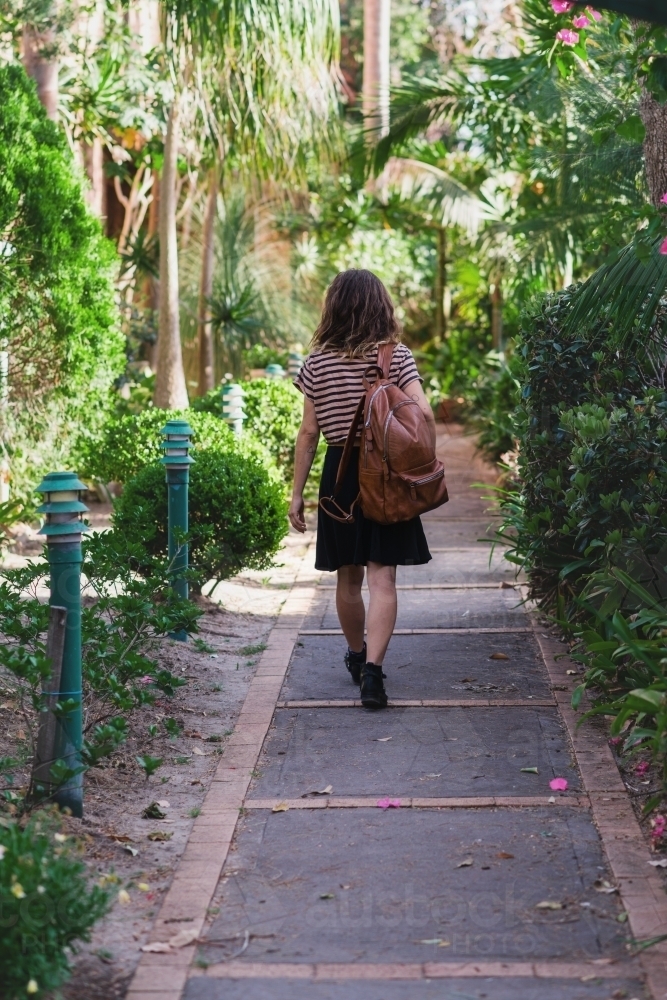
(477, 880)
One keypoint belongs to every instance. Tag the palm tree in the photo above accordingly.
(245, 56)
(375, 92)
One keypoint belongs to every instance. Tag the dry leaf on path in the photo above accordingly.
(529, 770)
(549, 904)
(383, 739)
(160, 947)
(183, 938)
(504, 854)
(130, 850)
(499, 656)
(199, 752)
(466, 863)
(602, 885)
(440, 942)
(280, 807)
(160, 835)
(662, 863)
(319, 791)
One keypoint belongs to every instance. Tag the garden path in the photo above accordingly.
(483, 882)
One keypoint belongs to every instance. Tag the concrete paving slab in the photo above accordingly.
(483, 989)
(365, 885)
(443, 609)
(414, 751)
(462, 565)
(424, 666)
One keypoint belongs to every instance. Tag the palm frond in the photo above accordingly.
(432, 191)
(627, 289)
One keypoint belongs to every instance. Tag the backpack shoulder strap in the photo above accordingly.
(385, 356)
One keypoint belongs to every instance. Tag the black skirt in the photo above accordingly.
(365, 541)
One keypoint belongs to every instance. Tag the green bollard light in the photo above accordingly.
(177, 462)
(63, 530)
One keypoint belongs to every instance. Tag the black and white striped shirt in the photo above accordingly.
(334, 384)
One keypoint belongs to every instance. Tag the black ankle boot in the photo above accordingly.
(354, 662)
(373, 694)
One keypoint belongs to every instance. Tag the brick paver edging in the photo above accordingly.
(462, 802)
(334, 972)
(640, 885)
(186, 903)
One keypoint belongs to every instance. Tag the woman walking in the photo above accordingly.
(358, 317)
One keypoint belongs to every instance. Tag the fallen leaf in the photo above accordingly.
(504, 854)
(389, 803)
(183, 938)
(383, 739)
(160, 835)
(123, 897)
(570, 672)
(130, 850)
(549, 904)
(558, 784)
(143, 886)
(280, 807)
(622, 917)
(466, 863)
(121, 838)
(319, 791)
(199, 752)
(440, 942)
(160, 947)
(602, 885)
(551, 799)
(529, 770)
(499, 656)
(153, 811)
(662, 863)
(163, 804)
(326, 895)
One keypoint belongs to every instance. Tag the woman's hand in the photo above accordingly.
(295, 514)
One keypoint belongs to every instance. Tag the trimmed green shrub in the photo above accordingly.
(47, 905)
(494, 397)
(131, 441)
(590, 455)
(58, 313)
(237, 514)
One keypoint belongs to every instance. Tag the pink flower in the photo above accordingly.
(146, 679)
(580, 21)
(562, 6)
(567, 36)
(658, 824)
(558, 784)
(663, 247)
(642, 768)
(663, 200)
(595, 14)
(389, 803)
(615, 740)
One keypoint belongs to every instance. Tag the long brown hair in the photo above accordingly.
(358, 314)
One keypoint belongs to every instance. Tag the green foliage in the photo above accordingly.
(493, 398)
(273, 410)
(47, 905)
(237, 514)
(121, 630)
(589, 522)
(130, 441)
(56, 282)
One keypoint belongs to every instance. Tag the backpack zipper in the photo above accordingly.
(428, 479)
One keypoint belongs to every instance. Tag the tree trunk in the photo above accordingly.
(441, 286)
(375, 97)
(41, 63)
(170, 388)
(497, 316)
(93, 158)
(654, 117)
(206, 356)
(152, 285)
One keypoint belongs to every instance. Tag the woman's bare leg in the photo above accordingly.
(350, 605)
(381, 610)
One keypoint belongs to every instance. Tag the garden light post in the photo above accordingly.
(63, 530)
(295, 361)
(177, 461)
(232, 406)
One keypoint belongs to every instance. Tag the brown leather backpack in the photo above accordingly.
(399, 475)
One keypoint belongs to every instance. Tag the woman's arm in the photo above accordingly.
(304, 454)
(414, 391)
